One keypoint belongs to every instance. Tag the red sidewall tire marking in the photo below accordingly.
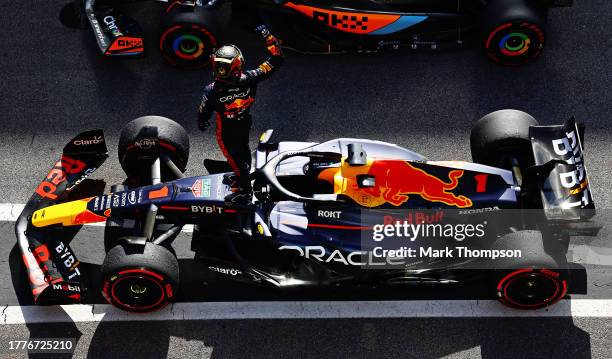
(109, 286)
(504, 283)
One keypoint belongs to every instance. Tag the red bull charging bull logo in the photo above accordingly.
(394, 183)
(239, 105)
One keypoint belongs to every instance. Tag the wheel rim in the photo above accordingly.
(188, 46)
(514, 44)
(138, 292)
(529, 288)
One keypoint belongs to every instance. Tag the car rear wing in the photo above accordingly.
(53, 269)
(560, 172)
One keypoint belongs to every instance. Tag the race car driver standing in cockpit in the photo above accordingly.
(231, 96)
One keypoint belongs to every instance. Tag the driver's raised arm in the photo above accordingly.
(274, 62)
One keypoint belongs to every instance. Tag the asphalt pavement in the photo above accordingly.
(54, 85)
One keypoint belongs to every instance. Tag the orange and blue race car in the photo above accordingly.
(319, 214)
(513, 32)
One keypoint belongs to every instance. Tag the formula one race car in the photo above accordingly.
(313, 203)
(513, 31)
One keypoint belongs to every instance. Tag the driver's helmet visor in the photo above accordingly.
(227, 68)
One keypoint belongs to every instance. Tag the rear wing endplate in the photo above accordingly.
(563, 181)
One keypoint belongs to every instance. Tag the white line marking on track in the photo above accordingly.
(10, 211)
(304, 310)
(589, 254)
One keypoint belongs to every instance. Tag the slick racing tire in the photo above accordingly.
(536, 279)
(140, 278)
(502, 136)
(188, 36)
(514, 31)
(135, 155)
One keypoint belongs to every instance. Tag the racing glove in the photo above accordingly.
(263, 30)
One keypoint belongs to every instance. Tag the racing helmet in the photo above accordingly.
(228, 63)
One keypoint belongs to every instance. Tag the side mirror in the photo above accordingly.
(265, 136)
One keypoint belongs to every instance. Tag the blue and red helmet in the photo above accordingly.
(227, 63)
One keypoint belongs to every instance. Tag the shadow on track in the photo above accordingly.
(345, 338)
(312, 338)
(68, 329)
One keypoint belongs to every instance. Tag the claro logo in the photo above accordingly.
(92, 141)
(227, 271)
(66, 165)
